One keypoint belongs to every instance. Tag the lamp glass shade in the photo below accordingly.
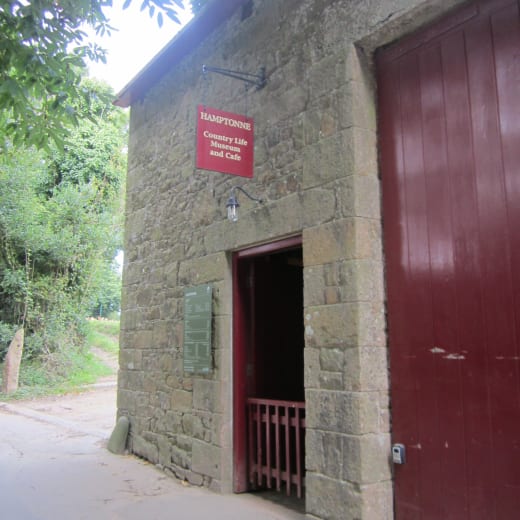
(232, 212)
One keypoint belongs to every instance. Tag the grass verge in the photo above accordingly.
(68, 370)
(103, 334)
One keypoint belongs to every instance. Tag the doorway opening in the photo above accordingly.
(268, 344)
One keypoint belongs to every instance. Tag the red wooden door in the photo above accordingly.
(449, 107)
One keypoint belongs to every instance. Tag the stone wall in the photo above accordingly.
(316, 168)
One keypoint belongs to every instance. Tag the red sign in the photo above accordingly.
(225, 142)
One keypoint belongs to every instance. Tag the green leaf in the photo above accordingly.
(171, 15)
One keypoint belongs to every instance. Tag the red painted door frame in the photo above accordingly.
(242, 313)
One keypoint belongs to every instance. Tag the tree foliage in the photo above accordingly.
(43, 49)
(41, 58)
(61, 169)
(60, 226)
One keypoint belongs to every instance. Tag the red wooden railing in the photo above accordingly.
(276, 444)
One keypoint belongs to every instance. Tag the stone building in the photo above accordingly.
(378, 269)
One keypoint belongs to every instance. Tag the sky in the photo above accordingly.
(137, 41)
(129, 49)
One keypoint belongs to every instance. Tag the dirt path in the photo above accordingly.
(109, 359)
(93, 404)
(91, 408)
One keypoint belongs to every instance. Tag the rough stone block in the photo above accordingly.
(358, 196)
(367, 197)
(161, 334)
(362, 280)
(184, 443)
(133, 318)
(332, 295)
(331, 325)
(144, 448)
(332, 499)
(137, 220)
(274, 220)
(170, 423)
(387, 27)
(290, 103)
(384, 411)
(355, 104)
(311, 359)
(371, 324)
(313, 284)
(361, 145)
(142, 339)
(366, 458)
(319, 206)
(368, 239)
(206, 395)
(203, 269)
(331, 381)
(215, 486)
(131, 380)
(329, 242)
(222, 334)
(353, 413)
(377, 501)
(145, 296)
(206, 459)
(325, 161)
(346, 196)
(198, 428)
(130, 359)
(222, 297)
(366, 369)
(181, 400)
(149, 382)
(166, 362)
(179, 457)
(324, 453)
(332, 360)
(164, 447)
(257, 223)
(331, 272)
(126, 401)
(311, 124)
(326, 75)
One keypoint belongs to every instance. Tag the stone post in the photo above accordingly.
(12, 362)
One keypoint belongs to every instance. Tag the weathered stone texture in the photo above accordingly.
(333, 499)
(316, 167)
(12, 361)
(206, 459)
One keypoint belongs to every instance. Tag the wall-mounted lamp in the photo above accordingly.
(232, 203)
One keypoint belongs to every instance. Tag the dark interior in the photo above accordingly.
(275, 368)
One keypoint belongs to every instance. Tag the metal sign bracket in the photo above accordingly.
(258, 80)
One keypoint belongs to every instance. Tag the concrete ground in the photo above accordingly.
(54, 465)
